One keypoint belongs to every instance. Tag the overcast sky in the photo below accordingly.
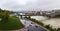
(17, 5)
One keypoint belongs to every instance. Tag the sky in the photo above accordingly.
(29, 5)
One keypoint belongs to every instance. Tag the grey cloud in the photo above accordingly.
(30, 4)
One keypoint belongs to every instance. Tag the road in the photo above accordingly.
(31, 26)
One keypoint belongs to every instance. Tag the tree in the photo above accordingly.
(4, 15)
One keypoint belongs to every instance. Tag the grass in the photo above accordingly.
(13, 24)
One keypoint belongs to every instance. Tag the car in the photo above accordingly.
(32, 23)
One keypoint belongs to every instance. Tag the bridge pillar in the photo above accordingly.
(29, 16)
(21, 16)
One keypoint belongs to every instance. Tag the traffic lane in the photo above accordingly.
(35, 28)
(27, 23)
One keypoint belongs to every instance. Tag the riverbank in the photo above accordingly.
(54, 22)
(48, 26)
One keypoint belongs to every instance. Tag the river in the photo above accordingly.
(54, 22)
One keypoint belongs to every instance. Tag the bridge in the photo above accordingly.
(21, 15)
(38, 14)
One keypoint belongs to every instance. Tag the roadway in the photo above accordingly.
(31, 26)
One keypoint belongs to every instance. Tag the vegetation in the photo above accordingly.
(12, 24)
(42, 24)
(9, 22)
(4, 15)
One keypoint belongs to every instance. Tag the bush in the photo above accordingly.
(49, 27)
(58, 29)
(54, 29)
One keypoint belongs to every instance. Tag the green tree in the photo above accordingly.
(4, 15)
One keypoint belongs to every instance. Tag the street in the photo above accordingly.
(31, 26)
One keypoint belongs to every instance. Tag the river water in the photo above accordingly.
(54, 22)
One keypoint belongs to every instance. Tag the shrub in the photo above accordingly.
(58, 29)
